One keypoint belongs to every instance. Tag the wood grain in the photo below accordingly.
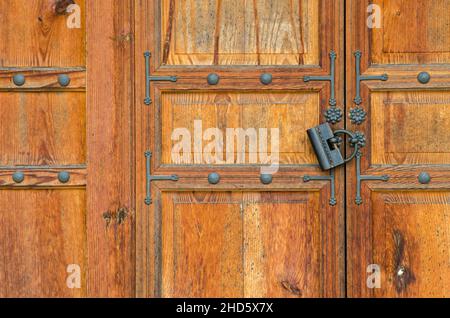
(231, 244)
(239, 40)
(292, 114)
(42, 233)
(412, 236)
(34, 34)
(413, 32)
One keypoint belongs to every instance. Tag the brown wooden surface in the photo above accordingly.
(216, 44)
(402, 224)
(84, 129)
(110, 212)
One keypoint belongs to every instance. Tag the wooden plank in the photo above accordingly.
(43, 128)
(43, 233)
(34, 34)
(109, 142)
(43, 177)
(43, 78)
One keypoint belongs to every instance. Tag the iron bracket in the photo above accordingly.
(330, 178)
(150, 78)
(150, 178)
(329, 78)
(360, 178)
(360, 78)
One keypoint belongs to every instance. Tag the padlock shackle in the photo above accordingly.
(348, 133)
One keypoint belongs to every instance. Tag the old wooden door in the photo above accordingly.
(226, 228)
(65, 176)
(401, 225)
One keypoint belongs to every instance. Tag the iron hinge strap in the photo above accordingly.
(150, 178)
(150, 78)
(330, 178)
(360, 78)
(360, 178)
(329, 78)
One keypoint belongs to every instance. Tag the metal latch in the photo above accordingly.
(326, 144)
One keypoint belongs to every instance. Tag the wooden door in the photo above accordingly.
(237, 237)
(403, 224)
(65, 150)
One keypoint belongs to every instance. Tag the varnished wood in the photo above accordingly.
(43, 232)
(110, 170)
(240, 84)
(265, 245)
(34, 34)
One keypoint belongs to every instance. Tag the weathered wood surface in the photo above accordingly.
(402, 224)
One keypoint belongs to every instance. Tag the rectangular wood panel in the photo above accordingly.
(40, 128)
(410, 127)
(42, 233)
(412, 32)
(232, 244)
(412, 243)
(34, 34)
(291, 113)
(247, 32)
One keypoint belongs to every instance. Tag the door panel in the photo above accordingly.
(43, 232)
(252, 235)
(400, 224)
(34, 36)
(43, 128)
(292, 113)
(412, 231)
(263, 32)
(199, 239)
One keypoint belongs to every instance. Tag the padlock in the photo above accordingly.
(325, 143)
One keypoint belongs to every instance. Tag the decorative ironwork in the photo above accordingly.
(331, 178)
(149, 78)
(150, 178)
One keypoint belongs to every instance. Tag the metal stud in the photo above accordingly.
(266, 178)
(19, 79)
(64, 80)
(266, 78)
(214, 178)
(64, 176)
(424, 178)
(213, 79)
(424, 77)
(18, 177)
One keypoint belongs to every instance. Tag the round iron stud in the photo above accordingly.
(214, 178)
(19, 79)
(424, 178)
(64, 80)
(266, 78)
(424, 77)
(18, 177)
(64, 176)
(213, 79)
(266, 178)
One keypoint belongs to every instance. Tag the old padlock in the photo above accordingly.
(326, 143)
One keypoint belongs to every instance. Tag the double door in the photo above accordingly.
(236, 202)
